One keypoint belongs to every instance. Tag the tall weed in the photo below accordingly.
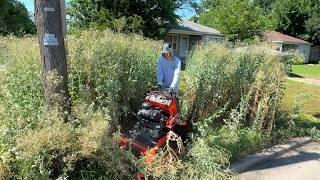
(108, 75)
(109, 72)
(79, 150)
(220, 77)
(21, 91)
(112, 70)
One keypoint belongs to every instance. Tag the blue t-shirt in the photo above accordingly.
(168, 72)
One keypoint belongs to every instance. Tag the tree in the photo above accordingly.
(313, 28)
(140, 16)
(14, 18)
(291, 16)
(265, 5)
(299, 18)
(238, 19)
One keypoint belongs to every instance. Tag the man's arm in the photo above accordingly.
(175, 80)
(159, 72)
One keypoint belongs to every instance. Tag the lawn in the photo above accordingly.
(308, 94)
(309, 71)
(309, 97)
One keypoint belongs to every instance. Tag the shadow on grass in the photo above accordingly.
(306, 123)
(294, 75)
(303, 123)
(316, 115)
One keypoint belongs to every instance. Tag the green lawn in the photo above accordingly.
(309, 115)
(310, 97)
(310, 71)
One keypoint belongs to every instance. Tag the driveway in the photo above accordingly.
(303, 163)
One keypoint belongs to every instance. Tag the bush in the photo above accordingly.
(296, 60)
(292, 59)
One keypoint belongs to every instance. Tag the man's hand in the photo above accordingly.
(171, 90)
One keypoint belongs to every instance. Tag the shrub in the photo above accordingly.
(292, 58)
(296, 60)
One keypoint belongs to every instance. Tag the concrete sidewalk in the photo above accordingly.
(254, 160)
(302, 163)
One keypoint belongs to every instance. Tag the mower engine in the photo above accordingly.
(157, 116)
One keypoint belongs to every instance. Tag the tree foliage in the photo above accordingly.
(313, 28)
(243, 19)
(299, 18)
(14, 18)
(266, 5)
(238, 19)
(144, 17)
(291, 16)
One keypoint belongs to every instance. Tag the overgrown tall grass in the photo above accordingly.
(112, 70)
(245, 79)
(232, 95)
(108, 73)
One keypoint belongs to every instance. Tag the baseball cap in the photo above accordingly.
(167, 48)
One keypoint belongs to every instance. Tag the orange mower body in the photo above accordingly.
(157, 117)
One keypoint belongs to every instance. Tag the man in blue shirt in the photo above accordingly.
(168, 70)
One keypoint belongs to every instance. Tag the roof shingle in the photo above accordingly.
(194, 27)
(276, 36)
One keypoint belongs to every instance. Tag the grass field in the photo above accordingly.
(309, 71)
(309, 97)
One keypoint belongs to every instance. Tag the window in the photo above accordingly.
(289, 47)
(215, 39)
(173, 40)
(168, 39)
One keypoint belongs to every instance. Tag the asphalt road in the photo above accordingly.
(303, 163)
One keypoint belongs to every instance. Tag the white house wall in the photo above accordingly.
(176, 51)
(210, 38)
(305, 49)
(194, 39)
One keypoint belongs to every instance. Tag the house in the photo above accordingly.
(315, 54)
(287, 44)
(185, 34)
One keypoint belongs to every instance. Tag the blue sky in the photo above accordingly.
(186, 13)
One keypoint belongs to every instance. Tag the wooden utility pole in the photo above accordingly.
(52, 50)
(63, 17)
